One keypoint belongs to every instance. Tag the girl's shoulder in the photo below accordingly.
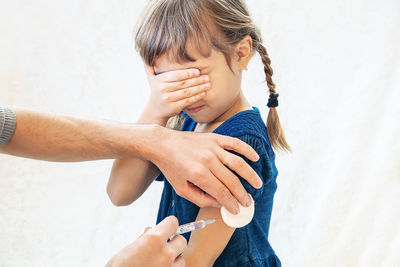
(249, 127)
(246, 125)
(247, 122)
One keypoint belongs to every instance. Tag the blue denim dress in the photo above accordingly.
(249, 245)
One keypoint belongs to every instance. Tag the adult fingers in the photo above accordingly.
(236, 163)
(240, 166)
(216, 189)
(177, 245)
(167, 227)
(232, 182)
(237, 145)
(178, 75)
(221, 193)
(147, 229)
(187, 92)
(179, 262)
(197, 196)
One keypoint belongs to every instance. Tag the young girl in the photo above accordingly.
(219, 38)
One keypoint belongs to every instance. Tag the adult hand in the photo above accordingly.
(172, 91)
(203, 160)
(152, 249)
(187, 159)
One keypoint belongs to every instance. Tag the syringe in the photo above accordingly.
(185, 228)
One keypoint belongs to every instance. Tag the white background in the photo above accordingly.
(337, 69)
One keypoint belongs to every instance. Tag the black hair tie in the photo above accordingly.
(273, 101)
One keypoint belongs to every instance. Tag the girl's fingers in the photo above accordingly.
(149, 69)
(182, 104)
(178, 85)
(187, 92)
(178, 75)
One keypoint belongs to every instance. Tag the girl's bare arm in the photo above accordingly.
(200, 251)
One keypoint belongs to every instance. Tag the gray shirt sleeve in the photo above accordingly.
(8, 123)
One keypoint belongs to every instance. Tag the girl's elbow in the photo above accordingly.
(117, 198)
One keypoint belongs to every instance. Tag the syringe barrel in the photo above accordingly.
(190, 227)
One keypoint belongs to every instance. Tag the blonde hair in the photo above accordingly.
(168, 25)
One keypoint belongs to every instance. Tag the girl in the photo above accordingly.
(217, 37)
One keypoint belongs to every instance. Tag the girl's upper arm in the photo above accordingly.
(205, 245)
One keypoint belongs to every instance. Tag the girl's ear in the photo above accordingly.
(244, 52)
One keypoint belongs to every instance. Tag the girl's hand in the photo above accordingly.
(171, 92)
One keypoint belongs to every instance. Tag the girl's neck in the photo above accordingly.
(237, 106)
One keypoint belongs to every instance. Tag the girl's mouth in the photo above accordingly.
(195, 109)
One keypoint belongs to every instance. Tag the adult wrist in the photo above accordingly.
(160, 138)
(152, 140)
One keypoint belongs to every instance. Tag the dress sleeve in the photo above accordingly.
(264, 167)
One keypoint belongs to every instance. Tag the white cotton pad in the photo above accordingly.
(241, 219)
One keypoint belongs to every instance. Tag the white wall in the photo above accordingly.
(337, 68)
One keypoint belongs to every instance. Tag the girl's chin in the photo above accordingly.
(200, 119)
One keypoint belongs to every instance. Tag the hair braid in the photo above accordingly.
(274, 129)
(267, 67)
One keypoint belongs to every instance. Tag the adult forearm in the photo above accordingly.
(56, 137)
